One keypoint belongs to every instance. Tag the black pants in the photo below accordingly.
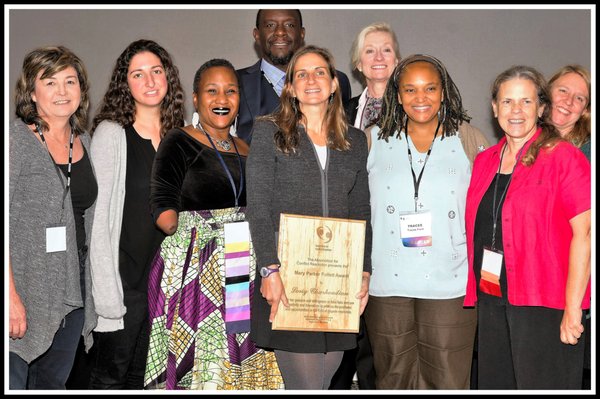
(50, 370)
(358, 360)
(121, 355)
(520, 348)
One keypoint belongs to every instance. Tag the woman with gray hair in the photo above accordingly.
(375, 53)
(528, 239)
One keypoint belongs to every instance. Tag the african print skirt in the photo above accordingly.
(189, 346)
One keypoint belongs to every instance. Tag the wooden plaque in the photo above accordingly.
(321, 269)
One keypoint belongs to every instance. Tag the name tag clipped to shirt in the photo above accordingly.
(415, 229)
(56, 238)
(491, 267)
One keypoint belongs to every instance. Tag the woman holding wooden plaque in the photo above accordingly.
(304, 160)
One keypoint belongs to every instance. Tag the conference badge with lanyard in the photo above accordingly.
(56, 233)
(491, 264)
(237, 257)
(415, 227)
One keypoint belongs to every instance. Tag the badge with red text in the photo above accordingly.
(491, 267)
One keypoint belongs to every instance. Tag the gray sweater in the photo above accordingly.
(279, 183)
(109, 157)
(48, 283)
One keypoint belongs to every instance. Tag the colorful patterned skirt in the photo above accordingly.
(189, 346)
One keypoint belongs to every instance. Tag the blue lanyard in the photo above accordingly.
(236, 193)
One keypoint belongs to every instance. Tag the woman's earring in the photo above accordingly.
(294, 107)
(331, 98)
(195, 119)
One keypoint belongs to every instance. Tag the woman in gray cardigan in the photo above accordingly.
(305, 160)
(52, 195)
(142, 103)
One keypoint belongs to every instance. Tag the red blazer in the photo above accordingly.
(540, 201)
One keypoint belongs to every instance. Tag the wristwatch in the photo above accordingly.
(266, 272)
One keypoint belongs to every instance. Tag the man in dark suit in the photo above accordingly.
(278, 34)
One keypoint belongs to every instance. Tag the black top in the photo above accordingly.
(187, 175)
(83, 190)
(484, 224)
(140, 238)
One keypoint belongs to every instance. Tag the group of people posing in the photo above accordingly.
(124, 235)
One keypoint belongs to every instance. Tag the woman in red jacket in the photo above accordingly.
(528, 232)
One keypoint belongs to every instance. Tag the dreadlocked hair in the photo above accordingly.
(394, 118)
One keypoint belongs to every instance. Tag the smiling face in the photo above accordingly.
(312, 82)
(147, 79)
(279, 35)
(517, 108)
(420, 92)
(570, 97)
(217, 99)
(377, 58)
(57, 96)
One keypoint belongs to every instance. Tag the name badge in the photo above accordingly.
(491, 267)
(237, 277)
(56, 239)
(415, 229)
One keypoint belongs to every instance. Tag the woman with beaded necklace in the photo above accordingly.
(202, 277)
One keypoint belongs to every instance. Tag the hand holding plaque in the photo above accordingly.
(321, 269)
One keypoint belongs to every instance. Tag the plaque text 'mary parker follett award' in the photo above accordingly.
(321, 269)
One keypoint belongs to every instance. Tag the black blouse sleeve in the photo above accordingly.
(168, 172)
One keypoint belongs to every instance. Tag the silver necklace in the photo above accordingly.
(223, 144)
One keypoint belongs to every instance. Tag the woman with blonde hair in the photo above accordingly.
(571, 105)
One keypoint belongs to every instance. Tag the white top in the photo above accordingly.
(322, 153)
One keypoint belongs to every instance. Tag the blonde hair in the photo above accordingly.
(359, 41)
(582, 130)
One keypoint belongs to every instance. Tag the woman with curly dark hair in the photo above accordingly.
(144, 100)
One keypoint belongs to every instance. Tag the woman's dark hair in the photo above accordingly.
(549, 136)
(215, 62)
(118, 104)
(394, 118)
(49, 61)
(288, 116)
